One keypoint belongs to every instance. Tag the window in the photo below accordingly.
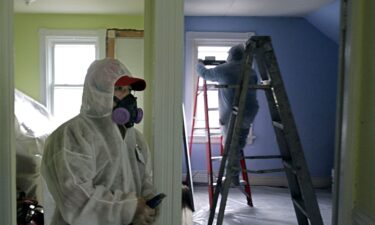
(65, 59)
(200, 45)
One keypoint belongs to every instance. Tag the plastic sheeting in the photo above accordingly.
(272, 206)
(33, 123)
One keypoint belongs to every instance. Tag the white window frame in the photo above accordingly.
(195, 39)
(50, 37)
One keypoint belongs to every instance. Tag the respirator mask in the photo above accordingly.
(126, 112)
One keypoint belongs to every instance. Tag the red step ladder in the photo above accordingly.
(209, 158)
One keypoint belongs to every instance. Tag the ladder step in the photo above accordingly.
(278, 125)
(266, 171)
(298, 204)
(216, 158)
(213, 132)
(264, 157)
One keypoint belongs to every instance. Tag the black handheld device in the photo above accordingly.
(208, 62)
(155, 201)
(211, 61)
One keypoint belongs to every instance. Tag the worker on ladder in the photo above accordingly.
(229, 73)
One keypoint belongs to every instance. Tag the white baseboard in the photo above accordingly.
(360, 217)
(200, 177)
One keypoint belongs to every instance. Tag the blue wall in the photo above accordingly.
(308, 62)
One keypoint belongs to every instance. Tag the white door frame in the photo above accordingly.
(7, 151)
(164, 30)
(347, 116)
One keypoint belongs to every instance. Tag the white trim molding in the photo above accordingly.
(360, 217)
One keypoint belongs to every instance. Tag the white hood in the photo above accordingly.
(97, 98)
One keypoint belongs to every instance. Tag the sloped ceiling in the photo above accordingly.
(327, 20)
(323, 14)
(252, 7)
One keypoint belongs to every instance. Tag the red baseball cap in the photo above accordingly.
(137, 84)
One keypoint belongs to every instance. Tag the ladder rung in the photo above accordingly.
(252, 86)
(278, 125)
(242, 182)
(266, 171)
(212, 136)
(289, 166)
(204, 128)
(216, 158)
(300, 207)
(264, 157)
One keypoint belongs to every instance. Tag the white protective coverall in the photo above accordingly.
(93, 174)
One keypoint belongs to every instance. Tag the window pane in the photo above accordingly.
(67, 103)
(71, 62)
(212, 115)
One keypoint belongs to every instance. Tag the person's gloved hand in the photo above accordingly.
(157, 209)
(157, 212)
(200, 61)
(144, 215)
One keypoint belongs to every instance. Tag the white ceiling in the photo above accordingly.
(192, 7)
(252, 7)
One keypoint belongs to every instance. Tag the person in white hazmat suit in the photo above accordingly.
(97, 165)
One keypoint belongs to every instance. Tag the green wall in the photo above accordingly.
(26, 40)
(365, 188)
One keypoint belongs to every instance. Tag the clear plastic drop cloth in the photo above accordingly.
(33, 124)
(272, 206)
